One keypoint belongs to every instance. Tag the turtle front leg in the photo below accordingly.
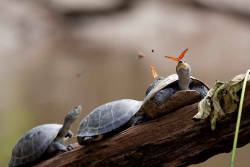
(137, 119)
(57, 146)
(52, 149)
(69, 134)
(61, 147)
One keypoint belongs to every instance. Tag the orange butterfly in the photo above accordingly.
(180, 57)
(154, 73)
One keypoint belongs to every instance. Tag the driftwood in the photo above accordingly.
(172, 140)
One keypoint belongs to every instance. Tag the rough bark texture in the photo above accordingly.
(172, 140)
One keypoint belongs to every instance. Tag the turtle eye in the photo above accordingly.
(78, 107)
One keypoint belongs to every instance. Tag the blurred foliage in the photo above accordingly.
(14, 123)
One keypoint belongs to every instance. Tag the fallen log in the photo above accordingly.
(172, 140)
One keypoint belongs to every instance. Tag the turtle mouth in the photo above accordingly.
(182, 66)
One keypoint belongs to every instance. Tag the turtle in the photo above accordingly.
(43, 141)
(108, 119)
(154, 83)
(176, 90)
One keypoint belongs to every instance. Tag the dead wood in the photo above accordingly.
(172, 140)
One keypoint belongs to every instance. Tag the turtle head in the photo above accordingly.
(183, 68)
(73, 114)
(68, 120)
(183, 71)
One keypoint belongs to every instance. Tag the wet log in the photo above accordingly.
(172, 140)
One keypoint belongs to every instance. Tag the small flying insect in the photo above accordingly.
(140, 55)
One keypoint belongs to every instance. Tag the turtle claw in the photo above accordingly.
(70, 147)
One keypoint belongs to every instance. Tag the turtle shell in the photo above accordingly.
(177, 100)
(108, 117)
(153, 84)
(33, 144)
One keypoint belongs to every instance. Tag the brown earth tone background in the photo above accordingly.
(55, 54)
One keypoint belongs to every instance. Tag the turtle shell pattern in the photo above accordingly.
(108, 117)
(180, 98)
(33, 144)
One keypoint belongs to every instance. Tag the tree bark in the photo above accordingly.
(172, 140)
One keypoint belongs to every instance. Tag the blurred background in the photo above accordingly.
(55, 54)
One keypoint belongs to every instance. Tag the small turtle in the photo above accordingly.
(43, 140)
(108, 119)
(177, 90)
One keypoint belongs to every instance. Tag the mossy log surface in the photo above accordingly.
(172, 140)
